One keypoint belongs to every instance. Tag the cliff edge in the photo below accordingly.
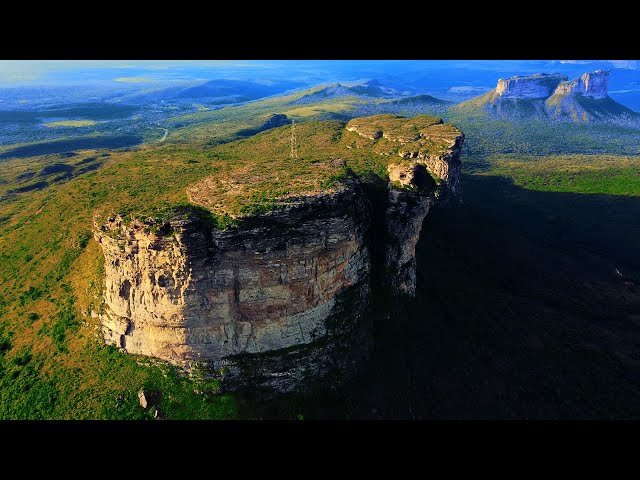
(264, 282)
(540, 85)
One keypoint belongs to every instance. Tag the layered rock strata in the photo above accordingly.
(540, 85)
(592, 84)
(285, 297)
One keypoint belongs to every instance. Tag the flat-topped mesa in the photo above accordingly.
(547, 98)
(284, 297)
(592, 84)
(540, 85)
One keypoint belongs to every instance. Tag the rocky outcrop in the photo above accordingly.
(540, 85)
(284, 298)
(592, 85)
(585, 99)
(413, 139)
(424, 175)
(404, 215)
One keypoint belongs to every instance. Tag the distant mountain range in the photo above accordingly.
(370, 88)
(551, 97)
(214, 92)
(183, 112)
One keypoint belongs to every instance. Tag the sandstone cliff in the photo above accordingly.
(540, 85)
(585, 99)
(286, 295)
(592, 85)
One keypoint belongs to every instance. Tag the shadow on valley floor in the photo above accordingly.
(67, 145)
(520, 313)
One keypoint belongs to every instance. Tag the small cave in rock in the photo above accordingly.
(130, 327)
(125, 289)
(422, 179)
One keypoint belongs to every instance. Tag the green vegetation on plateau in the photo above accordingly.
(222, 125)
(257, 173)
(52, 364)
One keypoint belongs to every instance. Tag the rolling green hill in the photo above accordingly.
(586, 109)
(490, 104)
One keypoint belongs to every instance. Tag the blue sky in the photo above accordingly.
(33, 72)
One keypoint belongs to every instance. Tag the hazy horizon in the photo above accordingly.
(24, 83)
(61, 72)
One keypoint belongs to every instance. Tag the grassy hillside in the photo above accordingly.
(476, 106)
(223, 125)
(51, 362)
(585, 109)
(585, 174)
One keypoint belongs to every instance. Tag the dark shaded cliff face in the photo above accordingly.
(285, 298)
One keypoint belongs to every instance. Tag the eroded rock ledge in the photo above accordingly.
(286, 297)
(540, 85)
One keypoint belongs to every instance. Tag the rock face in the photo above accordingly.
(540, 85)
(412, 186)
(404, 216)
(285, 297)
(201, 294)
(585, 99)
(592, 85)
